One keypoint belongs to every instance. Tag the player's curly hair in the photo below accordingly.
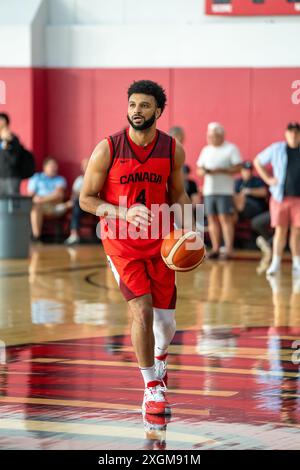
(147, 87)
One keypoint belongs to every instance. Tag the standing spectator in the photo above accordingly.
(218, 162)
(47, 190)
(284, 157)
(10, 154)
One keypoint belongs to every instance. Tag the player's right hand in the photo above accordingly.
(140, 216)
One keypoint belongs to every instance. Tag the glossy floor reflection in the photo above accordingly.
(68, 377)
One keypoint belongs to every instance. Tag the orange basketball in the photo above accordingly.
(183, 250)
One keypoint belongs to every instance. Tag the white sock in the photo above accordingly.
(296, 262)
(148, 374)
(159, 353)
(164, 327)
(160, 356)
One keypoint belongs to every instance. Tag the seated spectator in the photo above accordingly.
(192, 191)
(178, 133)
(251, 196)
(73, 204)
(47, 190)
(250, 193)
(190, 186)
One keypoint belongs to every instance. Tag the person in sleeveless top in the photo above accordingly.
(129, 174)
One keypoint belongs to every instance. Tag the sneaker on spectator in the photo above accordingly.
(224, 256)
(264, 246)
(275, 283)
(36, 239)
(72, 240)
(213, 255)
(273, 269)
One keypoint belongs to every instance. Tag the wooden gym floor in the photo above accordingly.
(69, 380)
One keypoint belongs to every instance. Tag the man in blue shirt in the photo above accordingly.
(284, 157)
(47, 190)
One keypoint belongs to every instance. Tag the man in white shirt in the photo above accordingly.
(218, 161)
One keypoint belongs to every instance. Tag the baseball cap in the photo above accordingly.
(293, 126)
(248, 165)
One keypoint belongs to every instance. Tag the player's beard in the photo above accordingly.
(146, 124)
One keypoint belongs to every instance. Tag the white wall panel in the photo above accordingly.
(17, 18)
(170, 12)
(140, 33)
(18, 12)
(59, 37)
(175, 12)
(17, 50)
(38, 46)
(150, 46)
(99, 12)
(61, 12)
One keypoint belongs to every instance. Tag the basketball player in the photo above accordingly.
(145, 165)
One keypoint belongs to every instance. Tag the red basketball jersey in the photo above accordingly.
(136, 179)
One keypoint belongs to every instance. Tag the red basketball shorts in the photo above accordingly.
(137, 277)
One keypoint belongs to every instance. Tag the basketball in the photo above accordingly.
(183, 250)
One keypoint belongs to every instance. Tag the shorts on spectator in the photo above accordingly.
(285, 213)
(218, 204)
(49, 209)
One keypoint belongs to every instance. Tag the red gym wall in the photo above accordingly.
(65, 112)
(27, 106)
